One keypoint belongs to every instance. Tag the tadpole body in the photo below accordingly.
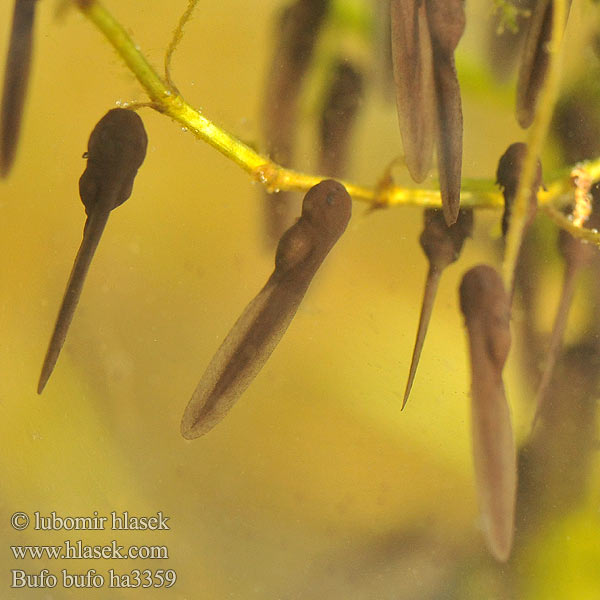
(425, 34)
(576, 255)
(339, 114)
(442, 246)
(16, 81)
(116, 150)
(535, 59)
(507, 177)
(326, 211)
(296, 33)
(486, 309)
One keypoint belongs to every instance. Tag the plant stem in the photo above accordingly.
(476, 193)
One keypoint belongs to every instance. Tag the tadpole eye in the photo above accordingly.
(85, 155)
(330, 199)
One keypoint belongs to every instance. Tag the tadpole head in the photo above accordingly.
(120, 138)
(486, 308)
(328, 207)
(442, 244)
(116, 149)
(446, 20)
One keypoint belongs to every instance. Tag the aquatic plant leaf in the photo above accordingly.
(325, 213)
(116, 150)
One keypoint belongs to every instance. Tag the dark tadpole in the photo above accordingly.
(16, 80)
(116, 149)
(296, 33)
(507, 177)
(339, 114)
(442, 246)
(412, 58)
(576, 122)
(485, 306)
(576, 255)
(535, 60)
(425, 34)
(325, 214)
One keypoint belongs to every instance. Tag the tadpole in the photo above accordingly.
(442, 246)
(507, 177)
(486, 308)
(425, 34)
(326, 211)
(535, 59)
(576, 255)
(296, 34)
(16, 80)
(116, 149)
(339, 114)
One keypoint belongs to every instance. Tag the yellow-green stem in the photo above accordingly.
(475, 193)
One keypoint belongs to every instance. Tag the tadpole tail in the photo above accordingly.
(92, 233)
(431, 286)
(16, 78)
(241, 356)
(494, 453)
(558, 330)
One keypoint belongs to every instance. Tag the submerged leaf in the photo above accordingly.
(325, 214)
(16, 80)
(116, 150)
(485, 306)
